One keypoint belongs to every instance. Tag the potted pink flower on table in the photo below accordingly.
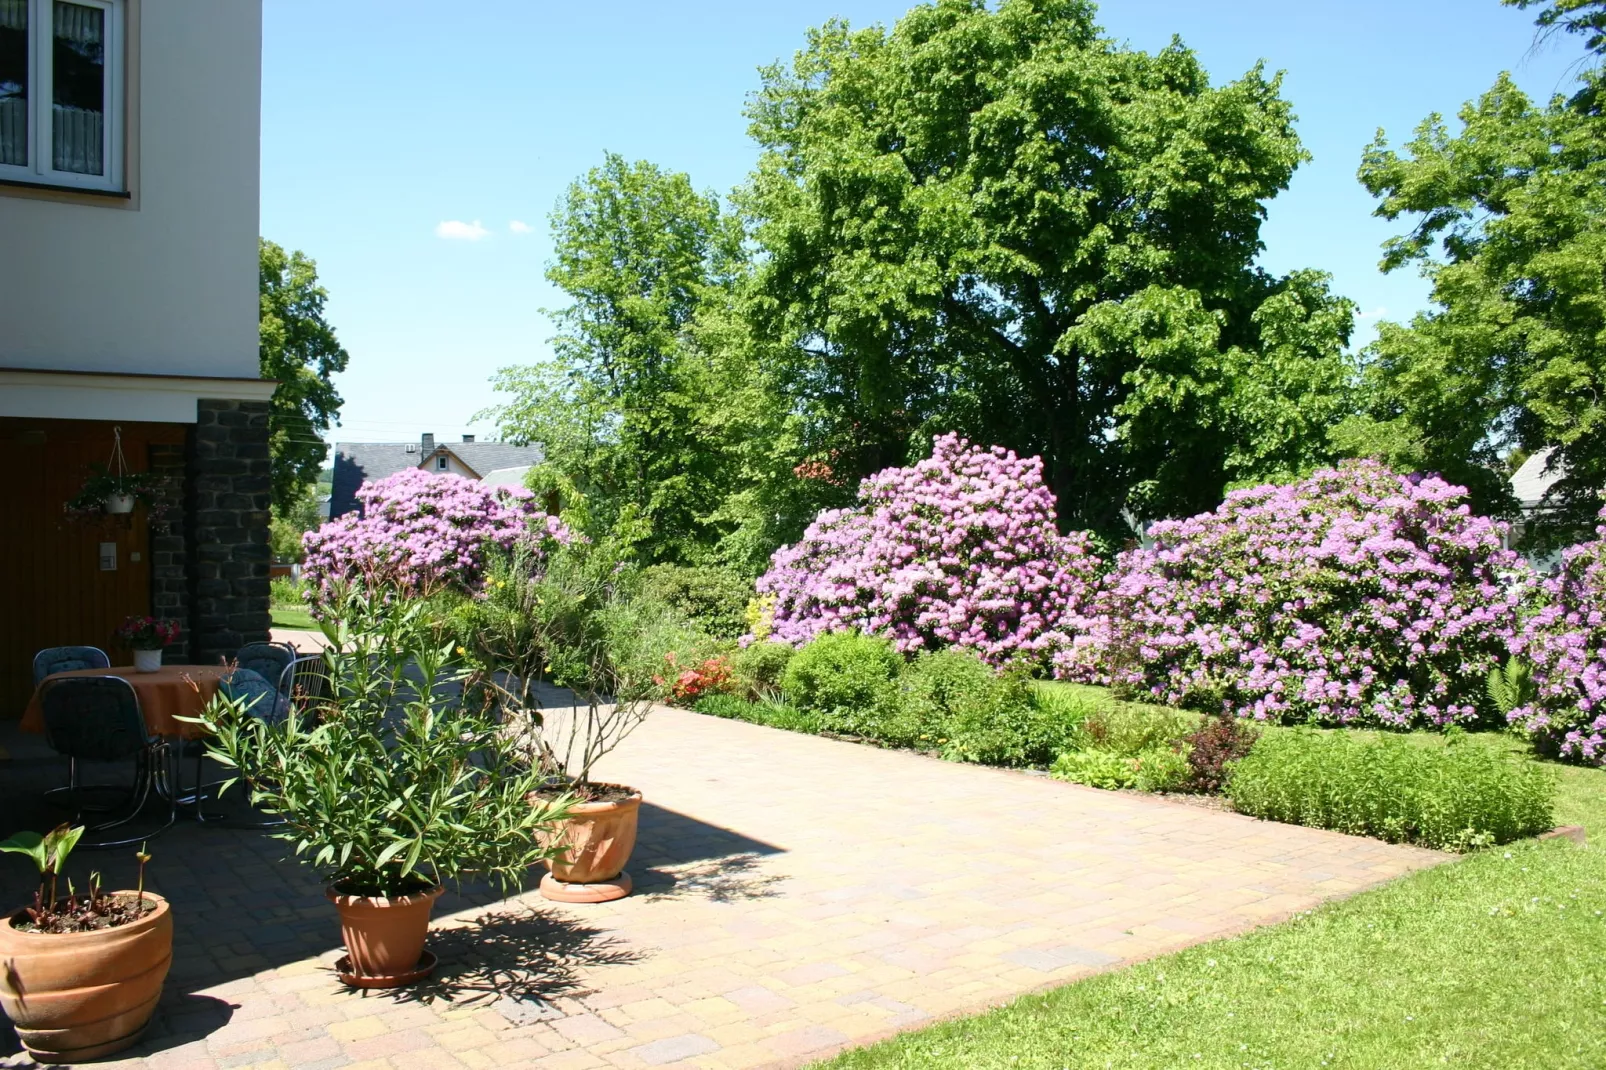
(148, 636)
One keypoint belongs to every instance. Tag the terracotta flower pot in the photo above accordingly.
(79, 996)
(596, 840)
(384, 936)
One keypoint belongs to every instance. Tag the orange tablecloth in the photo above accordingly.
(163, 695)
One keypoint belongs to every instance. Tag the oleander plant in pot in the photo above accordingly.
(80, 973)
(390, 785)
(575, 627)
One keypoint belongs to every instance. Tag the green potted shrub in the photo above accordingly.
(82, 972)
(390, 784)
(578, 621)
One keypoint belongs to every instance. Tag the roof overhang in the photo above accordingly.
(73, 395)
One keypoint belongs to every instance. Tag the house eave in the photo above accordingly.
(134, 396)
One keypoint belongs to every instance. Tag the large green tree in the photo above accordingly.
(994, 219)
(299, 349)
(649, 411)
(1508, 221)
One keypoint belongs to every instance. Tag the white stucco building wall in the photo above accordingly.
(163, 282)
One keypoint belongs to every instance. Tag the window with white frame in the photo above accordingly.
(61, 92)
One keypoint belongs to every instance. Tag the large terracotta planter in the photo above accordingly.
(384, 936)
(596, 840)
(79, 996)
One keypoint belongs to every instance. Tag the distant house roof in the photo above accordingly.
(506, 477)
(357, 463)
(1530, 483)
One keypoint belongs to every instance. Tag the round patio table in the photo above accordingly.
(171, 692)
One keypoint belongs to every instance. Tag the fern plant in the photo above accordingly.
(1511, 686)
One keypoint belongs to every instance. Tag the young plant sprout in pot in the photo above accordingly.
(81, 972)
(573, 620)
(389, 784)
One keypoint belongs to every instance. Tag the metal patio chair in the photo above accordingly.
(98, 719)
(54, 659)
(267, 660)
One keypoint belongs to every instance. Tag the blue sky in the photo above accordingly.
(383, 121)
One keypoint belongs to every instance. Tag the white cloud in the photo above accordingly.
(518, 226)
(457, 230)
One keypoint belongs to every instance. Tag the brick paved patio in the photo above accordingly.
(795, 895)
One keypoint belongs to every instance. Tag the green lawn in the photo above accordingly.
(293, 617)
(1496, 960)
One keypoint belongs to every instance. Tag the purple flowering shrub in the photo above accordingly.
(1355, 596)
(1564, 641)
(419, 533)
(959, 550)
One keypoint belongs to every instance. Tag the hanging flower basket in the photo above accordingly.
(112, 489)
(104, 492)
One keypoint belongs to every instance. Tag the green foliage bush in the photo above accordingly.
(1005, 720)
(849, 680)
(1157, 768)
(1465, 794)
(1127, 745)
(759, 668)
(770, 714)
(286, 592)
(709, 596)
(1129, 729)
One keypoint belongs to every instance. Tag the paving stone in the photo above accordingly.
(773, 925)
(1049, 959)
(527, 1009)
(673, 1049)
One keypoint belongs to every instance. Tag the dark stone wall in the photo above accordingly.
(226, 528)
(170, 584)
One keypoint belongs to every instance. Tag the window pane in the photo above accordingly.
(14, 82)
(78, 76)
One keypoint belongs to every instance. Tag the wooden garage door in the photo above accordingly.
(53, 590)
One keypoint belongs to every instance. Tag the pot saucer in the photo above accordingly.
(589, 892)
(426, 966)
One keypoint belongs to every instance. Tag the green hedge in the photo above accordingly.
(1459, 796)
(947, 701)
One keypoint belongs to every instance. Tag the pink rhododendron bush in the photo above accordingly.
(419, 533)
(958, 550)
(1564, 642)
(1356, 596)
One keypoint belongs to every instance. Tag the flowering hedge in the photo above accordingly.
(419, 532)
(1356, 596)
(1565, 643)
(958, 550)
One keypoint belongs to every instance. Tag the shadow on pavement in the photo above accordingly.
(242, 906)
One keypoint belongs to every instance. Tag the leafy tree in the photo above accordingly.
(1001, 223)
(1509, 223)
(288, 524)
(648, 413)
(299, 349)
(1587, 17)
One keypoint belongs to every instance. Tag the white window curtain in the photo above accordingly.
(14, 97)
(78, 133)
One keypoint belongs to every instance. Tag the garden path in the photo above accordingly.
(794, 895)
